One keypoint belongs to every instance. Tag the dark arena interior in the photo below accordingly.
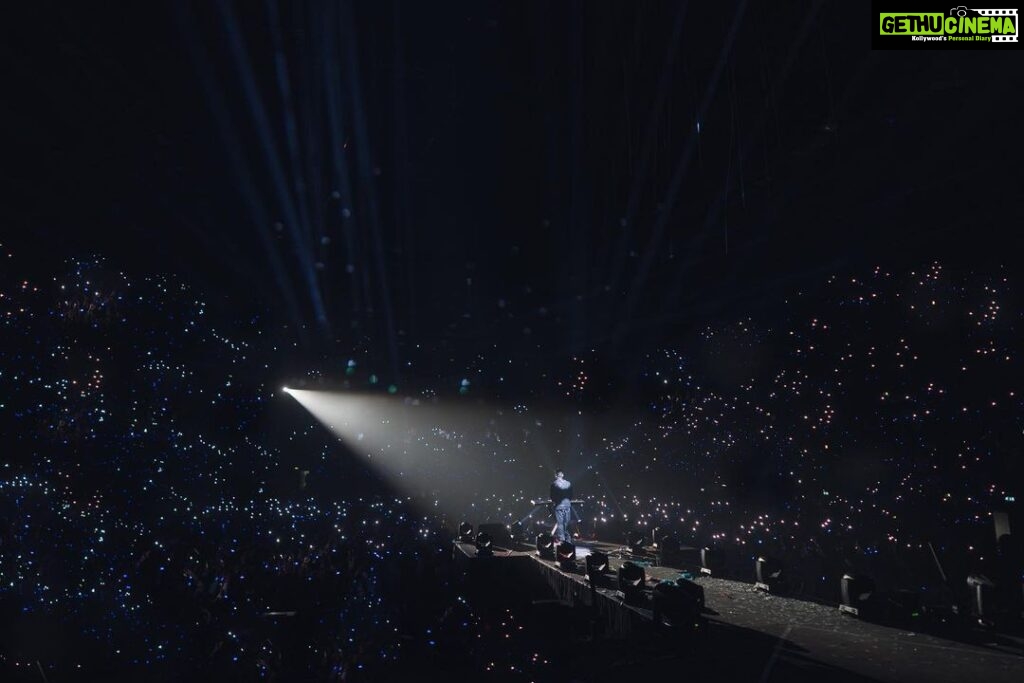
(305, 303)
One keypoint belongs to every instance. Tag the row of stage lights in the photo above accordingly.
(684, 599)
(676, 604)
(989, 605)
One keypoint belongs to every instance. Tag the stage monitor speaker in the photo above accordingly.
(499, 533)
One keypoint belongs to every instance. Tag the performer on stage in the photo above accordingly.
(561, 498)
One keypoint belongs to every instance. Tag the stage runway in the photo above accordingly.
(787, 635)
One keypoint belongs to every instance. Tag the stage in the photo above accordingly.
(751, 634)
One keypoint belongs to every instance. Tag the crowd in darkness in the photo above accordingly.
(881, 413)
(143, 523)
(263, 591)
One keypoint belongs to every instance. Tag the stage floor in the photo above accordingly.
(796, 633)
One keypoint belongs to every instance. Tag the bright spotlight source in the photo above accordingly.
(286, 390)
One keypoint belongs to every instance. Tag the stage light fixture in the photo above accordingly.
(669, 551)
(693, 589)
(769, 574)
(466, 533)
(597, 565)
(636, 540)
(712, 561)
(566, 556)
(983, 593)
(632, 579)
(903, 607)
(498, 532)
(675, 606)
(856, 592)
(484, 545)
(545, 546)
